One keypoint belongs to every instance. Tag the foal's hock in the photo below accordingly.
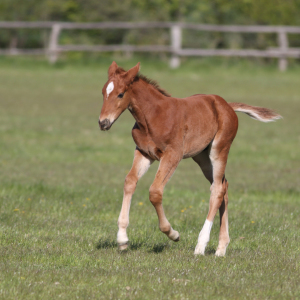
(169, 129)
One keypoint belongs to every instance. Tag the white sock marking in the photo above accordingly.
(122, 236)
(109, 89)
(203, 238)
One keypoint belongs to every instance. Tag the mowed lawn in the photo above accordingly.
(61, 184)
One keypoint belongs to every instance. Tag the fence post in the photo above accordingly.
(283, 46)
(53, 43)
(13, 45)
(176, 38)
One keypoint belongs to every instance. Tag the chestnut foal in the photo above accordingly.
(169, 129)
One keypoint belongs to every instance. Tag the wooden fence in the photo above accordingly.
(175, 48)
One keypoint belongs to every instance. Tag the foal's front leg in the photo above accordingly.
(167, 166)
(140, 166)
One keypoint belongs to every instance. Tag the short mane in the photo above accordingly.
(153, 83)
(146, 79)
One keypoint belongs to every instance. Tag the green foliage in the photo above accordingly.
(61, 184)
(246, 12)
(268, 12)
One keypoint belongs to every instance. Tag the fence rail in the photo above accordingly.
(175, 48)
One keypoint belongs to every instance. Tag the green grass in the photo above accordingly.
(61, 186)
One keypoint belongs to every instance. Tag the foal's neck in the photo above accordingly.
(144, 101)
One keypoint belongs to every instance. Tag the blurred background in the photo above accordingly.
(218, 12)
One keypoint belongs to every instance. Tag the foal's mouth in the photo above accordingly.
(105, 124)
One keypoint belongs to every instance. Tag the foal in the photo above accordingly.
(169, 129)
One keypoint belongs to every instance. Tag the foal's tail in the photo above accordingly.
(258, 113)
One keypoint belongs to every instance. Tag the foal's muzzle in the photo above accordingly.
(105, 124)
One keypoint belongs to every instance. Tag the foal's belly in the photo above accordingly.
(199, 136)
(195, 148)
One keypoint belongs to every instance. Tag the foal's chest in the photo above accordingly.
(145, 143)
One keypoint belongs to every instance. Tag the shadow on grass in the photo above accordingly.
(158, 248)
(151, 248)
(109, 244)
(210, 251)
(106, 244)
(136, 245)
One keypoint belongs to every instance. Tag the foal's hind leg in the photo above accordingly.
(140, 166)
(224, 232)
(213, 162)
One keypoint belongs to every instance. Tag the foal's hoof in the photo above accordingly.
(220, 252)
(200, 250)
(174, 235)
(177, 240)
(123, 246)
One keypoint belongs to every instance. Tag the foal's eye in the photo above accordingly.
(121, 95)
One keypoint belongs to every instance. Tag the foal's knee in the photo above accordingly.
(130, 184)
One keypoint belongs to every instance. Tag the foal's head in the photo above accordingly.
(115, 98)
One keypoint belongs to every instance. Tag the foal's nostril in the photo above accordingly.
(105, 124)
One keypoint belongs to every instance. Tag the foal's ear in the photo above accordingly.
(112, 69)
(130, 74)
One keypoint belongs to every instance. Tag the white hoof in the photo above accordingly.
(220, 252)
(122, 240)
(123, 247)
(174, 235)
(200, 249)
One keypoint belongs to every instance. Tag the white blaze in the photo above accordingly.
(109, 89)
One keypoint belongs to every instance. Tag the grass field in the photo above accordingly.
(61, 184)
